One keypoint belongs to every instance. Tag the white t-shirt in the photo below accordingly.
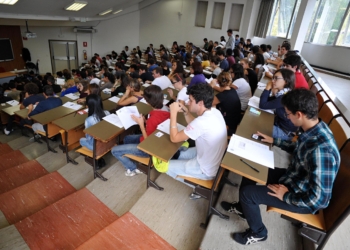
(244, 92)
(163, 82)
(95, 80)
(209, 132)
(182, 95)
(266, 55)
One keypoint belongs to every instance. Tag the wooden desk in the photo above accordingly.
(23, 113)
(11, 109)
(6, 105)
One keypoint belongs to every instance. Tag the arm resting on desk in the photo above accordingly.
(287, 146)
(175, 135)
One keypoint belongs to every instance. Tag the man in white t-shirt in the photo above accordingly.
(162, 81)
(208, 130)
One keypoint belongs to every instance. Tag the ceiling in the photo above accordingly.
(54, 10)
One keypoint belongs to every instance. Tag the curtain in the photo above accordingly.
(263, 20)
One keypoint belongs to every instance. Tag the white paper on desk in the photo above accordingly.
(114, 119)
(192, 75)
(72, 96)
(60, 81)
(251, 150)
(165, 127)
(12, 103)
(114, 99)
(165, 101)
(72, 105)
(261, 85)
(146, 85)
(266, 68)
(254, 102)
(143, 63)
(124, 115)
(107, 91)
(209, 80)
(187, 71)
(207, 72)
(143, 101)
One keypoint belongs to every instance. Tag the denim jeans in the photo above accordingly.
(84, 142)
(187, 165)
(251, 196)
(129, 147)
(279, 133)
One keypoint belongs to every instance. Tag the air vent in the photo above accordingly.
(84, 30)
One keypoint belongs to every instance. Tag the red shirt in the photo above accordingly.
(300, 81)
(155, 118)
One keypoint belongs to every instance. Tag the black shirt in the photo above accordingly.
(253, 80)
(147, 76)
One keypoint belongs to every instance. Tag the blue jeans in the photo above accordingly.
(187, 165)
(279, 133)
(129, 147)
(87, 143)
(251, 196)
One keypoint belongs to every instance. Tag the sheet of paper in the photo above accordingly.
(146, 85)
(187, 71)
(84, 111)
(165, 101)
(143, 101)
(124, 115)
(13, 103)
(251, 150)
(254, 102)
(143, 63)
(114, 119)
(207, 72)
(261, 85)
(266, 68)
(192, 75)
(60, 81)
(114, 99)
(72, 105)
(209, 80)
(165, 127)
(72, 96)
(107, 91)
(159, 134)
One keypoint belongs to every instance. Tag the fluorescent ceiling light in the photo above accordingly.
(76, 6)
(9, 2)
(105, 12)
(117, 11)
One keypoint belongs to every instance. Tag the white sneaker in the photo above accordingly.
(6, 132)
(130, 173)
(138, 171)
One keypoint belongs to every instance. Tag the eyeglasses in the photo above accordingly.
(286, 115)
(276, 78)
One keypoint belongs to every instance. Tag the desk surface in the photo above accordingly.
(7, 74)
(11, 110)
(6, 105)
(52, 115)
(23, 113)
(104, 131)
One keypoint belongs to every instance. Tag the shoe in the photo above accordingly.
(248, 237)
(138, 171)
(233, 207)
(129, 172)
(195, 196)
(6, 132)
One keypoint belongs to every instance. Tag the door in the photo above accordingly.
(63, 55)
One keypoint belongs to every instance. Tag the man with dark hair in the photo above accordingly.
(151, 65)
(284, 50)
(236, 40)
(293, 63)
(249, 44)
(51, 81)
(206, 44)
(208, 130)
(162, 81)
(145, 75)
(118, 70)
(223, 62)
(306, 185)
(266, 55)
(127, 51)
(133, 71)
(13, 92)
(230, 44)
(241, 49)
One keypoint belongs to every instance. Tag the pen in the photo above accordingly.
(250, 166)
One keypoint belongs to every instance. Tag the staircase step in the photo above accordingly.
(7, 138)
(20, 175)
(21, 142)
(127, 232)
(40, 149)
(30, 198)
(67, 223)
(10, 239)
(4, 149)
(12, 159)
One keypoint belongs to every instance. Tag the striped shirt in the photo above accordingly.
(313, 168)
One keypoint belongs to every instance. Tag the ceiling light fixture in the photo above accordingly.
(76, 5)
(105, 12)
(9, 2)
(117, 11)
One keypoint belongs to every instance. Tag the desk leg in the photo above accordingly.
(67, 154)
(151, 183)
(47, 142)
(211, 208)
(96, 174)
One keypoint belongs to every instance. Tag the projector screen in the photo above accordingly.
(6, 53)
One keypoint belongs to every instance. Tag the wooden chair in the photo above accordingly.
(321, 98)
(308, 76)
(316, 88)
(328, 112)
(311, 82)
(319, 227)
(341, 131)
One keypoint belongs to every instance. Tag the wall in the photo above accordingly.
(14, 34)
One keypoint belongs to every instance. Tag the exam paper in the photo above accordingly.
(254, 102)
(251, 150)
(72, 105)
(72, 96)
(207, 72)
(114, 99)
(124, 115)
(261, 85)
(60, 81)
(192, 75)
(146, 85)
(12, 103)
(165, 127)
(107, 91)
(114, 119)
(209, 80)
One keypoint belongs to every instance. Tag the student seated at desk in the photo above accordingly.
(293, 63)
(92, 89)
(144, 75)
(214, 64)
(51, 81)
(132, 95)
(227, 102)
(154, 97)
(83, 88)
(198, 74)
(162, 81)
(283, 81)
(250, 74)
(50, 102)
(179, 83)
(95, 114)
(69, 87)
(208, 130)
(13, 93)
(306, 185)
(177, 67)
(108, 81)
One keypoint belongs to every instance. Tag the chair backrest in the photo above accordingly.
(316, 88)
(321, 98)
(311, 82)
(308, 76)
(327, 112)
(341, 131)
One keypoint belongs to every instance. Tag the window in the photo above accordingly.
(330, 23)
(283, 18)
(201, 15)
(218, 15)
(236, 16)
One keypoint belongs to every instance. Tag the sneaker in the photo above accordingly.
(233, 207)
(6, 132)
(138, 171)
(248, 237)
(195, 196)
(128, 172)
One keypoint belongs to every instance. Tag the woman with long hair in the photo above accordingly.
(132, 95)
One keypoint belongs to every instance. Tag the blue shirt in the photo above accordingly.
(313, 168)
(90, 121)
(200, 78)
(73, 89)
(33, 99)
(224, 65)
(152, 67)
(47, 104)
